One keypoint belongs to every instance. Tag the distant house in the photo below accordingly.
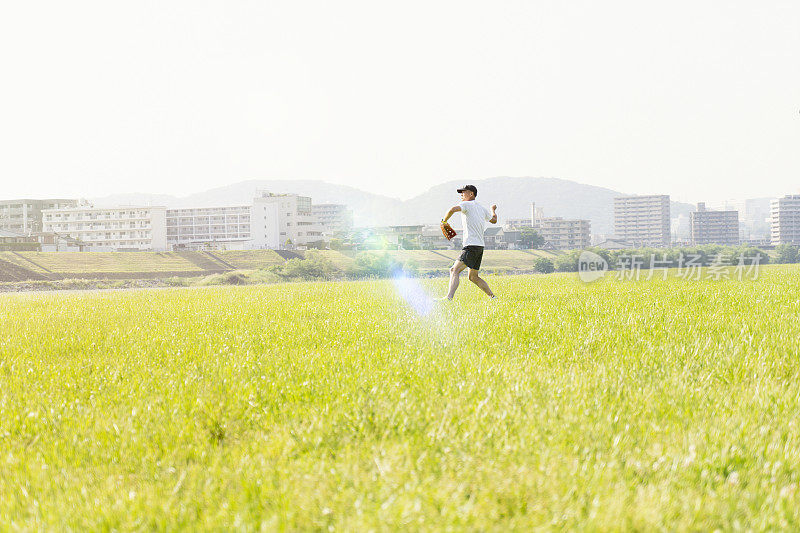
(13, 241)
(394, 237)
(493, 238)
(54, 242)
(433, 239)
(511, 239)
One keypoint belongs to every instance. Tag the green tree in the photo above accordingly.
(786, 253)
(314, 265)
(317, 245)
(530, 238)
(567, 262)
(379, 265)
(543, 265)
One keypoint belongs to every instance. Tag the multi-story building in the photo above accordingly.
(110, 229)
(558, 233)
(564, 234)
(511, 224)
(643, 220)
(336, 219)
(714, 227)
(754, 218)
(408, 236)
(755, 221)
(283, 221)
(785, 219)
(24, 216)
(216, 228)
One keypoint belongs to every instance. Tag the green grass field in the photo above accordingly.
(617, 405)
(77, 264)
(245, 259)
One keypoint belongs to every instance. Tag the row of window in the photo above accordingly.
(207, 237)
(216, 234)
(205, 220)
(190, 226)
(120, 244)
(94, 227)
(203, 211)
(108, 236)
(87, 224)
(97, 216)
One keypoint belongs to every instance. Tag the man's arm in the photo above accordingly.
(493, 220)
(453, 210)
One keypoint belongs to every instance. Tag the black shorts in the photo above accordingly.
(471, 256)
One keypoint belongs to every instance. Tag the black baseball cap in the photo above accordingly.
(472, 188)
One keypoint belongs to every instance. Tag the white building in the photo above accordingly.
(215, 228)
(785, 216)
(643, 220)
(110, 229)
(25, 215)
(564, 234)
(558, 233)
(334, 218)
(283, 221)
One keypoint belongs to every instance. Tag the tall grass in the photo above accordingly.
(613, 405)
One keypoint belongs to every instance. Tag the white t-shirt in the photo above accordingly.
(473, 220)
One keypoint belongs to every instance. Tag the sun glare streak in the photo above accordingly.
(412, 292)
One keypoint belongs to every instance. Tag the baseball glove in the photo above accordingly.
(447, 230)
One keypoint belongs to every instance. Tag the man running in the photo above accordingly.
(473, 220)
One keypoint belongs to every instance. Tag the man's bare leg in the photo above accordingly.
(479, 281)
(455, 273)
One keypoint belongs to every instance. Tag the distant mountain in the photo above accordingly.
(555, 197)
(513, 196)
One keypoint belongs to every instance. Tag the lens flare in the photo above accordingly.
(412, 292)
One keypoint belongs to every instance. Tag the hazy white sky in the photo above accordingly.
(697, 99)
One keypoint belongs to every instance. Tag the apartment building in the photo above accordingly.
(564, 234)
(558, 233)
(714, 227)
(511, 224)
(283, 221)
(785, 220)
(110, 229)
(397, 236)
(643, 220)
(24, 216)
(334, 218)
(209, 228)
